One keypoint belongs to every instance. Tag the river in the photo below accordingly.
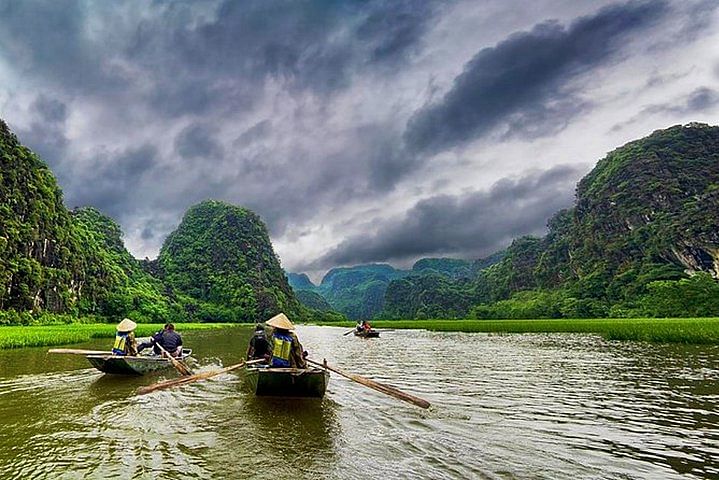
(549, 406)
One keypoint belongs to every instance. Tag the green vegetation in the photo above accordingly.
(656, 330)
(218, 266)
(361, 291)
(313, 300)
(642, 240)
(37, 336)
(118, 285)
(449, 267)
(42, 262)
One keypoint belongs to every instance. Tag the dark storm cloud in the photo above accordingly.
(211, 61)
(469, 225)
(49, 40)
(112, 182)
(700, 100)
(197, 141)
(306, 45)
(46, 132)
(299, 109)
(524, 80)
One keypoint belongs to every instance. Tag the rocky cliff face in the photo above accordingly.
(41, 262)
(652, 200)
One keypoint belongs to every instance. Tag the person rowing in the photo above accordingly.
(287, 350)
(166, 338)
(259, 347)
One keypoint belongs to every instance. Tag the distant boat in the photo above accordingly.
(132, 365)
(287, 382)
(367, 334)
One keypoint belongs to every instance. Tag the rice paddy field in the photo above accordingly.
(47, 335)
(700, 331)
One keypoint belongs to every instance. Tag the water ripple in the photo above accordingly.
(503, 406)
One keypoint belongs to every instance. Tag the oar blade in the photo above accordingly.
(74, 351)
(380, 387)
(175, 382)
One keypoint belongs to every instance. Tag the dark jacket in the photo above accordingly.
(259, 346)
(170, 340)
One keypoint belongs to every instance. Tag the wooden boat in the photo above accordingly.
(287, 382)
(132, 365)
(367, 334)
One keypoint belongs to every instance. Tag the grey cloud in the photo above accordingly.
(702, 99)
(46, 132)
(51, 110)
(469, 225)
(520, 79)
(256, 131)
(50, 41)
(112, 181)
(395, 28)
(306, 45)
(311, 72)
(197, 141)
(697, 101)
(147, 233)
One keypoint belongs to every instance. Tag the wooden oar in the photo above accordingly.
(78, 352)
(174, 382)
(347, 333)
(179, 366)
(380, 387)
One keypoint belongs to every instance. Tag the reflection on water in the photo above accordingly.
(504, 406)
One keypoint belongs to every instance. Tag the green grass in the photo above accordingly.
(658, 330)
(23, 336)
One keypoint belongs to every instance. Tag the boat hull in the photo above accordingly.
(287, 382)
(370, 334)
(131, 365)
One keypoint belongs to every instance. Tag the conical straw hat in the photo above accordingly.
(126, 325)
(280, 321)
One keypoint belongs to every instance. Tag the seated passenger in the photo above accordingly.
(125, 343)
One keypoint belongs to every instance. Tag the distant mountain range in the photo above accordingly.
(359, 291)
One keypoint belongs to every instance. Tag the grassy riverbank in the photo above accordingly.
(658, 330)
(22, 336)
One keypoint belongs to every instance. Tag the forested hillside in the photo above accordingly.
(360, 291)
(642, 239)
(221, 257)
(42, 262)
(218, 265)
(119, 286)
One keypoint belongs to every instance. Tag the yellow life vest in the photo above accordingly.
(119, 347)
(281, 347)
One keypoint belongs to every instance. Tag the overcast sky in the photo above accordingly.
(361, 131)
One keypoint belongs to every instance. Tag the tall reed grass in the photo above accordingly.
(30, 336)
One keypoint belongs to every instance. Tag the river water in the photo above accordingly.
(504, 406)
